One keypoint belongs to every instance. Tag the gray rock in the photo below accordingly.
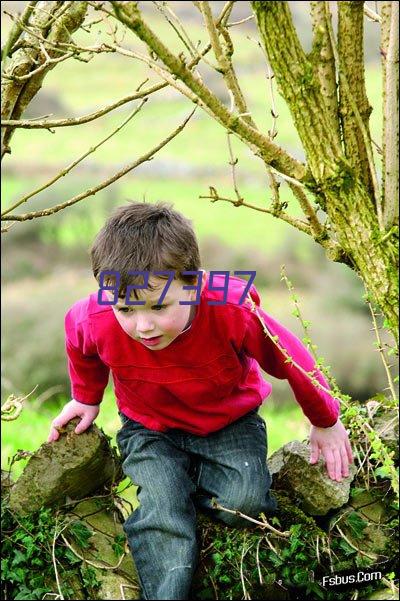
(308, 484)
(74, 466)
(117, 575)
(387, 427)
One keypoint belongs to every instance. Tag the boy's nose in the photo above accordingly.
(143, 325)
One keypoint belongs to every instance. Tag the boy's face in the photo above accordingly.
(156, 326)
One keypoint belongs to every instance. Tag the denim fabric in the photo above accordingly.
(177, 472)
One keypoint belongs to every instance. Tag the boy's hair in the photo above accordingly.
(145, 237)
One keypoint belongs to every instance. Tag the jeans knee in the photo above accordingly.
(248, 503)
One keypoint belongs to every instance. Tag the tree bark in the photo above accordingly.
(53, 21)
(342, 185)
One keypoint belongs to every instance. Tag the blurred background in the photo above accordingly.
(46, 263)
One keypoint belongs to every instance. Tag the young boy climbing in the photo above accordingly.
(184, 348)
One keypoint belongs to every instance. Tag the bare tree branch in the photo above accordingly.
(391, 134)
(17, 30)
(50, 123)
(225, 63)
(371, 14)
(297, 223)
(17, 94)
(324, 62)
(386, 10)
(74, 163)
(91, 191)
(350, 50)
(129, 14)
(360, 122)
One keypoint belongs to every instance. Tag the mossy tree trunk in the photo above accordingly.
(336, 137)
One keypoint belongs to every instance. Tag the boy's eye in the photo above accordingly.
(124, 310)
(158, 307)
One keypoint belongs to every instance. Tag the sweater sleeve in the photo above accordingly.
(88, 374)
(321, 408)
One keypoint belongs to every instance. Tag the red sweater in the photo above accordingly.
(205, 379)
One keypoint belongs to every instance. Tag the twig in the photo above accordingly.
(304, 323)
(277, 206)
(45, 124)
(212, 581)
(182, 34)
(92, 563)
(263, 524)
(382, 354)
(233, 162)
(371, 14)
(317, 550)
(317, 229)
(130, 15)
(300, 225)
(124, 586)
(233, 23)
(225, 62)
(53, 556)
(271, 546)
(370, 556)
(4, 230)
(13, 406)
(76, 162)
(244, 552)
(313, 380)
(42, 67)
(273, 131)
(258, 562)
(390, 207)
(225, 14)
(104, 184)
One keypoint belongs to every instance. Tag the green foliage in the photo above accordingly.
(239, 564)
(29, 553)
(81, 534)
(119, 544)
(353, 415)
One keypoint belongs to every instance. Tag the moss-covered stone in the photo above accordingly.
(74, 466)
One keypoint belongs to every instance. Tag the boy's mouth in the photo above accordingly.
(151, 341)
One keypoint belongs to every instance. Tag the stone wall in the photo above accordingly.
(78, 475)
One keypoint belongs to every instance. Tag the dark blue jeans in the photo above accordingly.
(176, 473)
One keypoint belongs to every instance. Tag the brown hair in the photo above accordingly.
(145, 237)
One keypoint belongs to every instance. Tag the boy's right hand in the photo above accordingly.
(87, 413)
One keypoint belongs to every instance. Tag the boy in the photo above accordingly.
(187, 383)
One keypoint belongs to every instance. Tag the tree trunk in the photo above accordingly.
(343, 183)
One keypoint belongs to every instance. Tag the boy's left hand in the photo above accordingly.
(335, 447)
